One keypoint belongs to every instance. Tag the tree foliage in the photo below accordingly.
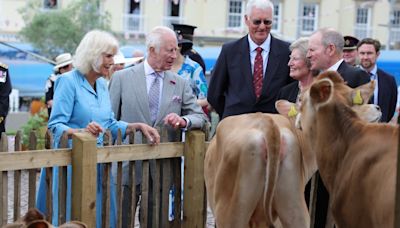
(52, 32)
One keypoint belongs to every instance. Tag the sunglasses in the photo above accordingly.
(258, 22)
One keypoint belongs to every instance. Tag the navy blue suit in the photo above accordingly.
(352, 75)
(387, 95)
(231, 90)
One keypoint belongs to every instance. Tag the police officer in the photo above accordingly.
(350, 50)
(5, 90)
(186, 32)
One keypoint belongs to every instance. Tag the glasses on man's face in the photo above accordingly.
(258, 22)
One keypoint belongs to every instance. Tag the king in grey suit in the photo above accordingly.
(177, 108)
(129, 98)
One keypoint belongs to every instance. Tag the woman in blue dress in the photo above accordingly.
(82, 103)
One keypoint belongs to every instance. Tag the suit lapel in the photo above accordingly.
(272, 65)
(244, 62)
(139, 85)
(166, 96)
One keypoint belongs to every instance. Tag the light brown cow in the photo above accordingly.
(256, 168)
(356, 160)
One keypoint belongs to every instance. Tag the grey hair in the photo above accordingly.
(331, 36)
(91, 47)
(301, 44)
(155, 37)
(259, 4)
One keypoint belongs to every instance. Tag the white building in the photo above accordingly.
(219, 20)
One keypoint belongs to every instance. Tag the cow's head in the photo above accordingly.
(329, 88)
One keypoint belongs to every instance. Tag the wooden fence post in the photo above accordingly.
(84, 175)
(194, 207)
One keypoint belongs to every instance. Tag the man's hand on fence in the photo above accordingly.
(175, 121)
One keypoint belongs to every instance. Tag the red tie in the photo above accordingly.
(258, 72)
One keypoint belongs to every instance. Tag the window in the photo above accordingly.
(363, 22)
(395, 26)
(309, 18)
(235, 13)
(174, 12)
(50, 4)
(133, 20)
(276, 25)
(134, 7)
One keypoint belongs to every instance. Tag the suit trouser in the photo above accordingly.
(322, 204)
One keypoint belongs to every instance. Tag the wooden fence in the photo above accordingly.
(84, 157)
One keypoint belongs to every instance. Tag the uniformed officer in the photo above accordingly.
(186, 32)
(5, 90)
(350, 55)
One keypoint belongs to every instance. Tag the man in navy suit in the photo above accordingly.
(385, 94)
(325, 51)
(232, 87)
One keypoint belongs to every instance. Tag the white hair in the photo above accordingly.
(155, 37)
(259, 4)
(91, 47)
(331, 36)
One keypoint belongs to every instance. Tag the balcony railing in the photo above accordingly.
(362, 31)
(394, 35)
(133, 23)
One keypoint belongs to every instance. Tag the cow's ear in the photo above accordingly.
(363, 93)
(321, 91)
(286, 108)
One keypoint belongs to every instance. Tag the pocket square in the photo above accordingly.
(177, 99)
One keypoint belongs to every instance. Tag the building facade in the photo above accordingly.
(221, 20)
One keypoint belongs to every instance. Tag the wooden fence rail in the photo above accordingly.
(85, 157)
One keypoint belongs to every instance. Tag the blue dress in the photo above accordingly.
(76, 104)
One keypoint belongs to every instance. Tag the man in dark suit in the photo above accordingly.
(235, 87)
(325, 51)
(385, 94)
(5, 90)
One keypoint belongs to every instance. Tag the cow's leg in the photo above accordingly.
(289, 200)
(240, 181)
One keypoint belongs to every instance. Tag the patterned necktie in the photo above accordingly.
(154, 97)
(258, 72)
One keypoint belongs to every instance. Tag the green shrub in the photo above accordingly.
(37, 123)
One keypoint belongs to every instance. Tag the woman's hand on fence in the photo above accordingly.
(94, 128)
(149, 132)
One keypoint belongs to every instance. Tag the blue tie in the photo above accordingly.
(154, 97)
(372, 76)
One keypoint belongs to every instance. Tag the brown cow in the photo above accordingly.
(256, 168)
(356, 160)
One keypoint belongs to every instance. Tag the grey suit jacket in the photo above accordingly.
(129, 101)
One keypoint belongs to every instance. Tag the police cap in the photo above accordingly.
(186, 31)
(350, 43)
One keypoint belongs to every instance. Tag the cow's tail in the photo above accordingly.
(273, 145)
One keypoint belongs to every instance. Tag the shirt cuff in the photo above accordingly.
(188, 124)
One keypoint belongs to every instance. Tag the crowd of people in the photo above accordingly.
(97, 88)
